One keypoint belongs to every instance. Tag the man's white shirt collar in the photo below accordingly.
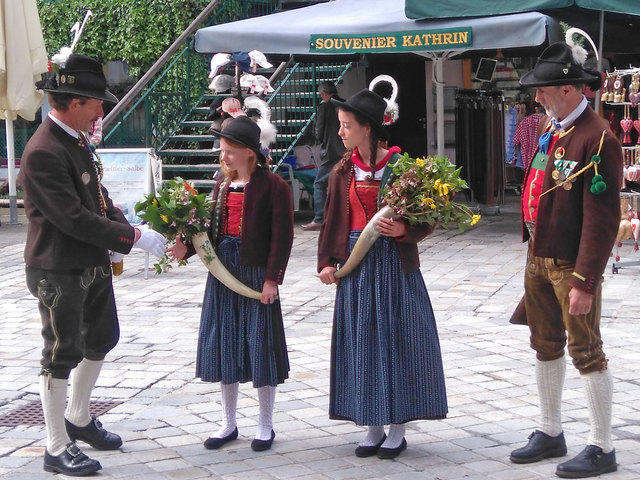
(568, 121)
(64, 126)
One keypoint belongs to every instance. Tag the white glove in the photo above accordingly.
(115, 257)
(151, 241)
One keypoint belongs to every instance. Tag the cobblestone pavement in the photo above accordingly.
(475, 282)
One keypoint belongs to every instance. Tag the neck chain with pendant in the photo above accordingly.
(99, 170)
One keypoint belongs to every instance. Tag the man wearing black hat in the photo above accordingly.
(570, 212)
(73, 226)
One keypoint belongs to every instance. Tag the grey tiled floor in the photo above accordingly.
(475, 281)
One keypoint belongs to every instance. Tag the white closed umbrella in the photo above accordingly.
(23, 58)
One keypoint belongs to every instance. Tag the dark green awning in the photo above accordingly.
(420, 9)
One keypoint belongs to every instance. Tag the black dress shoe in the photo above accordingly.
(371, 450)
(258, 445)
(386, 453)
(71, 462)
(540, 446)
(590, 462)
(214, 443)
(94, 434)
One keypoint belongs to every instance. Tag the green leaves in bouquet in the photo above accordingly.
(177, 210)
(423, 191)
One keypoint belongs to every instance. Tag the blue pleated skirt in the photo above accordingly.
(240, 338)
(386, 365)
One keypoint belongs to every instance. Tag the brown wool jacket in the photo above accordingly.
(333, 242)
(267, 223)
(576, 225)
(66, 228)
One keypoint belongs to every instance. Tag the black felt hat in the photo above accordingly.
(243, 131)
(370, 106)
(81, 76)
(557, 66)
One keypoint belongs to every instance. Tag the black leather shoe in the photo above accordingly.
(94, 434)
(258, 445)
(71, 462)
(371, 450)
(540, 446)
(214, 443)
(590, 462)
(386, 453)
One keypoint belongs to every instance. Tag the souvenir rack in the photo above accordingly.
(629, 207)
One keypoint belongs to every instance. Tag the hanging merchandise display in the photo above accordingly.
(480, 143)
(622, 99)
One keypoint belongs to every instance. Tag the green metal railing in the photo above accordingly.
(295, 100)
(168, 100)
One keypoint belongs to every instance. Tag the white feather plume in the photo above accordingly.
(391, 113)
(62, 56)
(268, 130)
(578, 52)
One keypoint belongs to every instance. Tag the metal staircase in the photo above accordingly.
(188, 153)
(167, 109)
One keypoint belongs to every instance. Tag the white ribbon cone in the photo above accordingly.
(366, 239)
(207, 254)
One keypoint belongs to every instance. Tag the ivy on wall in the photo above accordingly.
(136, 31)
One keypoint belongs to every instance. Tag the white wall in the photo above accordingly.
(452, 77)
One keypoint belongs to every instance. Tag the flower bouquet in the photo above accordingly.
(422, 191)
(177, 210)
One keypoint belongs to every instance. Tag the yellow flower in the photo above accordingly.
(164, 218)
(154, 201)
(475, 219)
(428, 201)
(441, 188)
(420, 162)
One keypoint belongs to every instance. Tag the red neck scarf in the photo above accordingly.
(360, 163)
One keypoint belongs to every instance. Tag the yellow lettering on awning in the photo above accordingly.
(391, 42)
(436, 38)
(406, 41)
(463, 36)
(447, 38)
(319, 43)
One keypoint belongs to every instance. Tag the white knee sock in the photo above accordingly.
(53, 395)
(266, 398)
(374, 435)
(599, 391)
(83, 378)
(229, 405)
(396, 434)
(550, 379)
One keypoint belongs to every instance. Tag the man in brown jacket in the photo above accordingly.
(73, 226)
(570, 212)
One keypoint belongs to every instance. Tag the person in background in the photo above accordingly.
(73, 225)
(242, 339)
(331, 150)
(570, 214)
